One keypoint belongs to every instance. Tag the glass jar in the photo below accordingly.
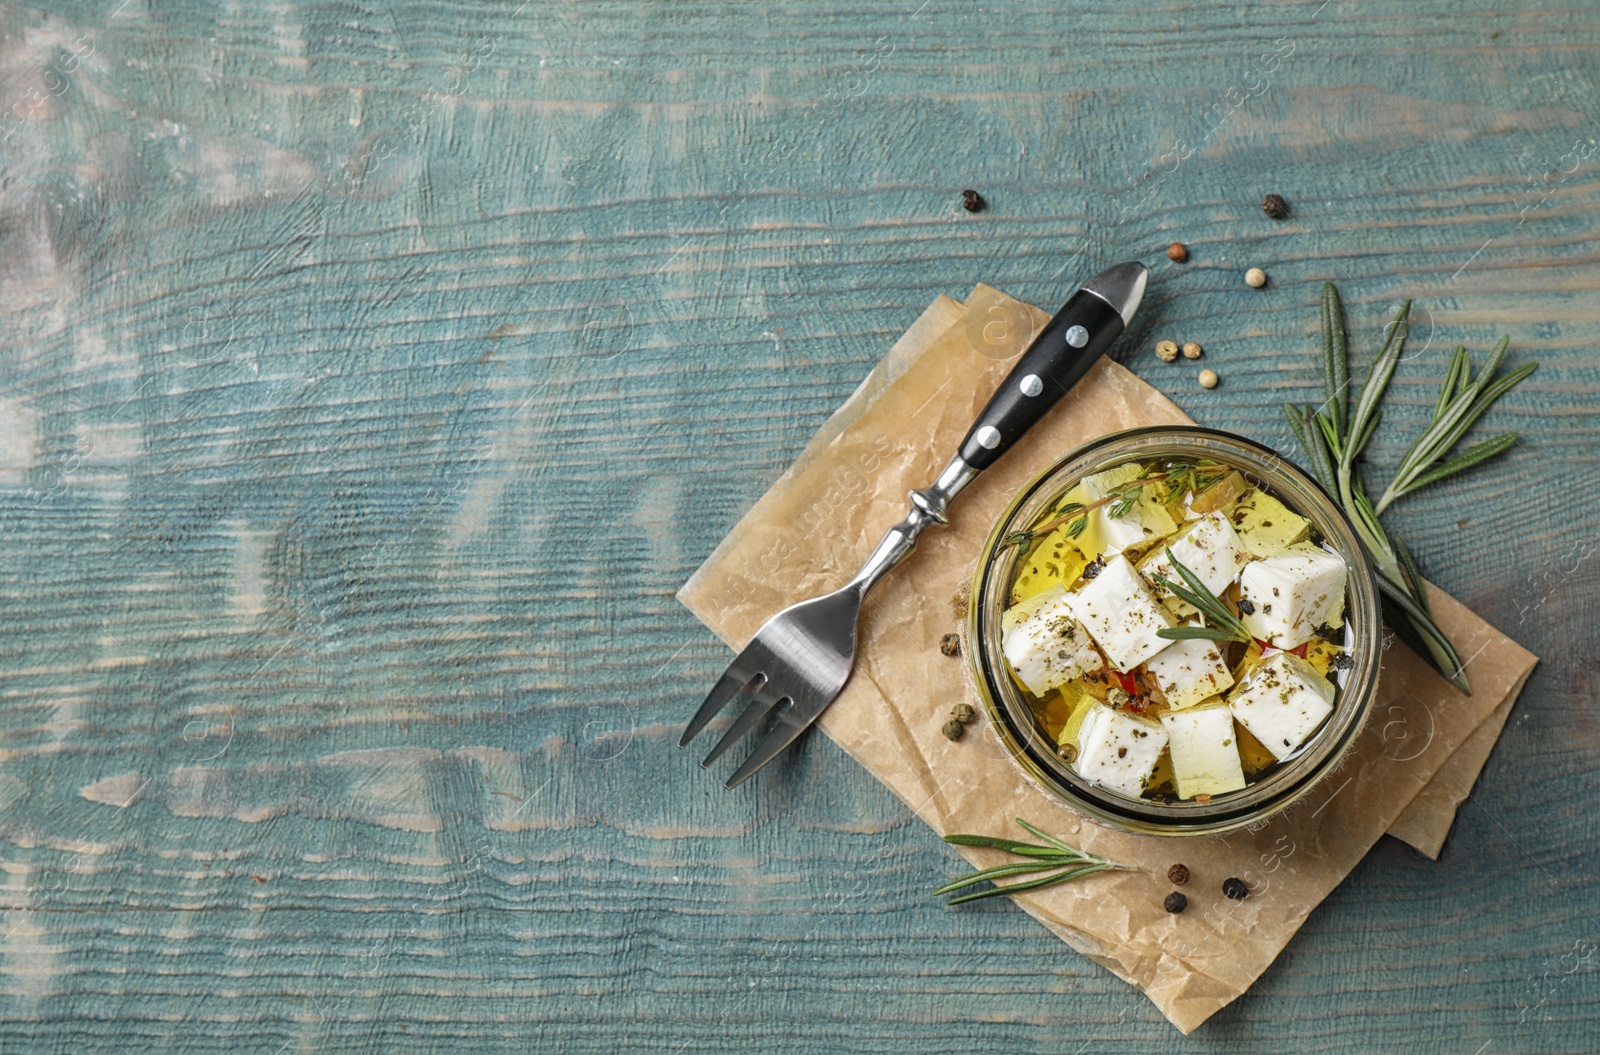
(1014, 720)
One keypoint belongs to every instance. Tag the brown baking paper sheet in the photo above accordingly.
(815, 526)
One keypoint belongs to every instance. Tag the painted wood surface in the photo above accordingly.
(374, 374)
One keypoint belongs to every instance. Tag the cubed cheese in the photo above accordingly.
(1209, 547)
(1117, 750)
(1205, 755)
(1189, 671)
(1291, 594)
(1282, 703)
(1025, 609)
(1122, 614)
(1335, 616)
(1046, 646)
(1105, 535)
(1266, 526)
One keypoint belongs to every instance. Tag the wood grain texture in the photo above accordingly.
(374, 374)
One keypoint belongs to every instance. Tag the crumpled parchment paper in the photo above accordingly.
(1409, 770)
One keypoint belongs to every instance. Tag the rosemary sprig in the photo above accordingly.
(1333, 438)
(1220, 622)
(1064, 862)
(1179, 478)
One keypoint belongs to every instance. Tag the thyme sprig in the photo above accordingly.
(1336, 434)
(1064, 862)
(1221, 624)
(1179, 478)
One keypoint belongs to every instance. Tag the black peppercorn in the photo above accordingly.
(1274, 206)
(1175, 903)
(1235, 889)
(1247, 606)
(963, 713)
(1093, 568)
(972, 201)
(1343, 662)
(950, 644)
(1178, 874)
(953, 729)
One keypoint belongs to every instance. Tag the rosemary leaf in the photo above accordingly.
(1495, 356)
(1413, 574)
(1311, 442)
(1504, 385)
(1360, 442)
(1051, 839)
(1455, 379)
(1034, 884)
(1185, 633)
(1377, 381)
(1322, 458)
(1465, 460)
(1335, 356)
(1367, 517)
(1009, 845)
(1329, 435)
(1001, 872)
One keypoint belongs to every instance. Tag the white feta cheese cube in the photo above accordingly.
(1209, 547)
(1205, 751)
(1291, 594)
(1023, 609)
(1282, 703)
(1121, 614)
(1105, 535)
(1117, 750)
(1045, 645)
(1189, 671)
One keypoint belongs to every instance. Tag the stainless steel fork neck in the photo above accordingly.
(928, 508)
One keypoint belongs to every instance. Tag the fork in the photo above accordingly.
(801, 658)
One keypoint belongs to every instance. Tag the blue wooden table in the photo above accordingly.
(375, 373)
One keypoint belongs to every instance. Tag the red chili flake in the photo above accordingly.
(1130, 684)
(1300, 649)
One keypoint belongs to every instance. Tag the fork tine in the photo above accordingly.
(783, 734)
(759, 708)
(727, 686)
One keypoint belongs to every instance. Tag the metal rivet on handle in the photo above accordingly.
(1031, 385)
(1077, 336)
(989, 437)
